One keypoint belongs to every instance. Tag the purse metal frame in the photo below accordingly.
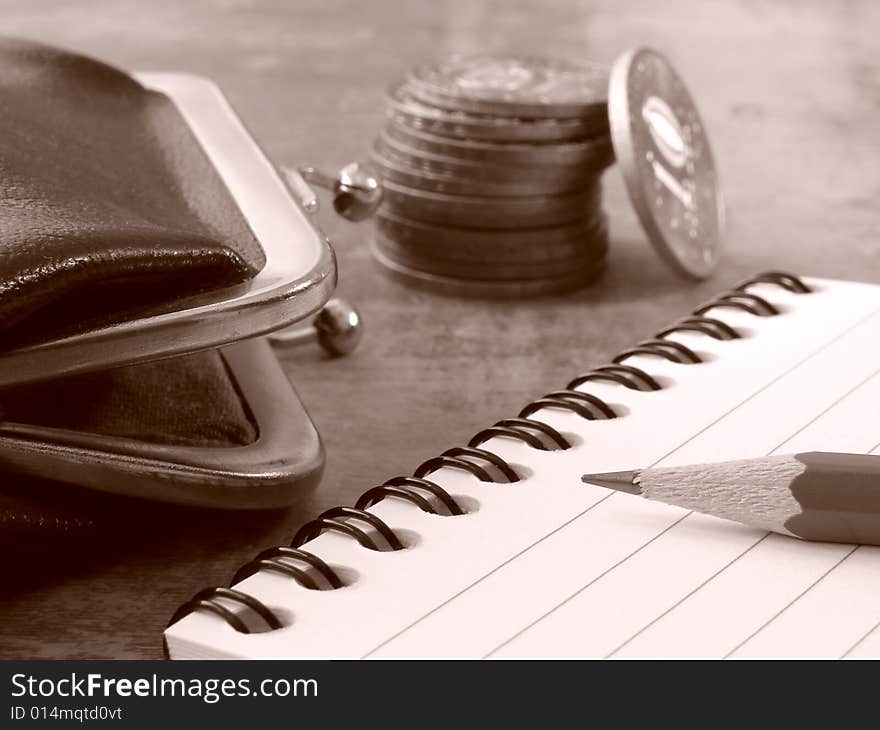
(286, 458)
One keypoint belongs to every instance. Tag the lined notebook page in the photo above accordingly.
(551, 567)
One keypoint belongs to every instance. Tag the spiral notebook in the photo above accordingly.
(539, 564)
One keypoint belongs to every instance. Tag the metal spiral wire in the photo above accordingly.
(483, 464)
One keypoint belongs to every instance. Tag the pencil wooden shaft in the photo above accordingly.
(822, 496)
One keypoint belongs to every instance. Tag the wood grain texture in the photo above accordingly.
(791, 98)
(755, 492)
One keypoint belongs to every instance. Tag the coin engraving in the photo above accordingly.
(661, 146)
(526, 85)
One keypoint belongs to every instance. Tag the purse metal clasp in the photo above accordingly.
(357, 193)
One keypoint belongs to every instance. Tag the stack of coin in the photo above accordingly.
(491, 171)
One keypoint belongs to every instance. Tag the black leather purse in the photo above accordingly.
(145, 244)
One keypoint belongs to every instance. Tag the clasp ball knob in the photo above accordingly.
(338, 328)
(357, 193)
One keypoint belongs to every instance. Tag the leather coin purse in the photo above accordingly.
(147, 245)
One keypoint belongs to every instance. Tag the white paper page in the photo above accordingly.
(549, 566)
(773, 572)
(592, 610)
(782, 587)
(866, 646)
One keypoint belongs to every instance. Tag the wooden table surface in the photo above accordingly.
(790, 93)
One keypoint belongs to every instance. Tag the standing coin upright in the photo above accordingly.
(492, 170)
(661, 147)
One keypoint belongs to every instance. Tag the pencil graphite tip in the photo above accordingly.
(621, 481)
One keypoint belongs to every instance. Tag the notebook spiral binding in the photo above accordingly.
(483, 464)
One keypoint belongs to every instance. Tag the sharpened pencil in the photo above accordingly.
(828, 497)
